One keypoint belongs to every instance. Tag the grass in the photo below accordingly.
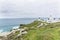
(34, 24)
(43, 34)
(13, 36)
(49, 32)
(46, 32)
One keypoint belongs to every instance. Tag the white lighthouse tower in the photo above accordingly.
(50, 19)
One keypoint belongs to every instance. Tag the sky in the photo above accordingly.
(29, 8)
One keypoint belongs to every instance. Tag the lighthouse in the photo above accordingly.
(50, 19)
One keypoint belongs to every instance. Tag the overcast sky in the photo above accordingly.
(29, 8)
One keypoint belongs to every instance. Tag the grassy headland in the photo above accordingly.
(39, 30)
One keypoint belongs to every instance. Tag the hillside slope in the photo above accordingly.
(46, 31)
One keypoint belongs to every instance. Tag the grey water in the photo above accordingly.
(7, 24)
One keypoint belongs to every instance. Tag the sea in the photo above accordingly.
(7, 24)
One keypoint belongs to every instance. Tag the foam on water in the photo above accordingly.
(1, 30)
(15, 27)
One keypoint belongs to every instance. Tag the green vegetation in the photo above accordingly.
(30, 26)
(35, 23)
(51, 31)
(13, 36)
(43, 34)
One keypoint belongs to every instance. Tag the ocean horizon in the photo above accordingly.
(7, 24)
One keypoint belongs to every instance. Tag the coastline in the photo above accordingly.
(18, 32)
(2, 33)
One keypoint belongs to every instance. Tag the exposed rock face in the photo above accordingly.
(3, 38)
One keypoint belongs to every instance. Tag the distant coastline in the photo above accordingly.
(7, 24)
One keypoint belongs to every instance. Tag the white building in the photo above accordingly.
(52, 19)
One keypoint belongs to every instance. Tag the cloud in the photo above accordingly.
(28, 8)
